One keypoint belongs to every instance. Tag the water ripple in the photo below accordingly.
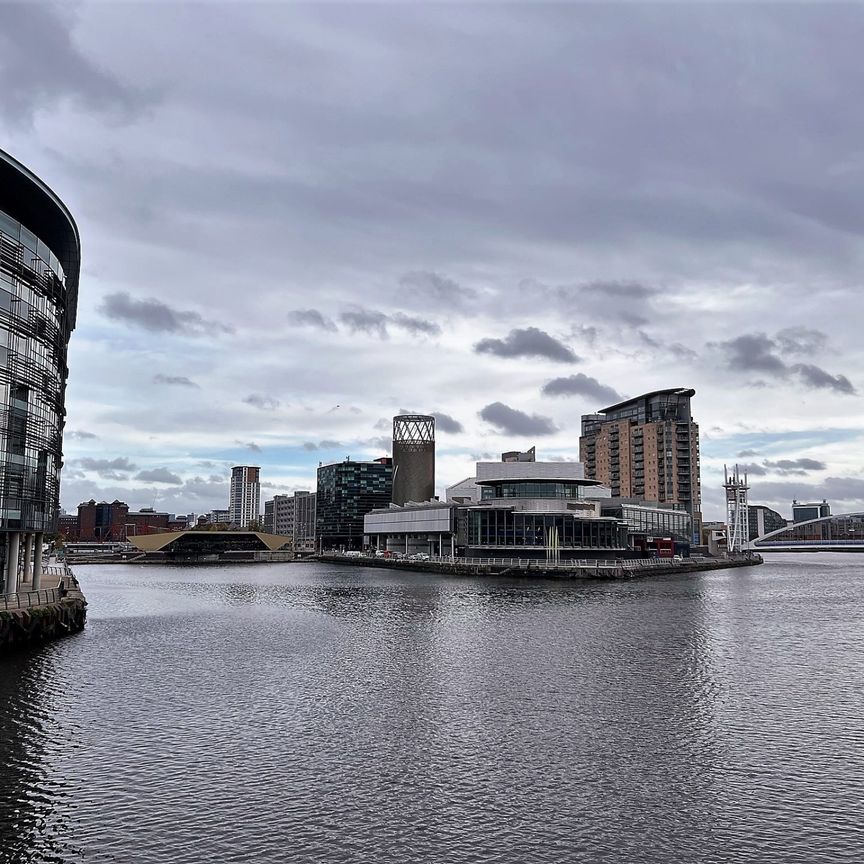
(319, 714)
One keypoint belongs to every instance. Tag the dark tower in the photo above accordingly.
(413, 458)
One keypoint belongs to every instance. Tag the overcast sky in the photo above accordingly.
(298, 221)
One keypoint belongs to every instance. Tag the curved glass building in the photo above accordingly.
(526, 507)
(40, 257)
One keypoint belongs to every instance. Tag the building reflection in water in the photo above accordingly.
(35, 803)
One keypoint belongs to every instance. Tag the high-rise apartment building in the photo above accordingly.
(347, 491)
(244, 503)
(40, 258)
(647, 449)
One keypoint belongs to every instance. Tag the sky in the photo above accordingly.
(300, 220)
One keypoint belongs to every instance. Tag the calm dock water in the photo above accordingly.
(316, 713)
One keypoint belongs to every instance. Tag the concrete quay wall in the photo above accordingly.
(22, 628)
(617, 571)
(32, 617)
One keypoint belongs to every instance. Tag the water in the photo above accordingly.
(315, 713)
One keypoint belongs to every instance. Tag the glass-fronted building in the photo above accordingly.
(346, 492)
(528, 508)
(840, 531)
(39, 265)
(648, 524)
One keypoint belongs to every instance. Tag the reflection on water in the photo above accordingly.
(316, 713)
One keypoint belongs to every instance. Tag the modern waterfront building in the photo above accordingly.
(763, 520)
(516, 508)
(292, 516)
(525, 507)
(244, 502)
(40, 256)
(652, 529)
(430, 527)
(347, 491)
(464, 492)
(647, 448)
(806, 512)
(413, 458)
(844, 533)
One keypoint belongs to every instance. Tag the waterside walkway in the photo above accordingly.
(30, 617)
(628, 568)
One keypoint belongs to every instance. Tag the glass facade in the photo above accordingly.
(833, 530)
(35, 324)
(347, 491)
(530, 489)
(504, 529)
(652, 522)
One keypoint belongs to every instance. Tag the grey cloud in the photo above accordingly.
(795, 466)
(380, 443)
(375, 323)
(676, 349)
(513, 422)
(603, 300)
(819, 379)
(752, 469)
(159, 475)
(157, 317)
(801, 340)
(106, 467)
(262, 401)
(837, 490)
(754, 352)
(446, 423)
(416, 326)
(365, 321)
(581, 385)
(79, 435)
(435, 291)
(311, 318)
(249, 445)
(57, 71)
(174, 380)
(746, 453)
(326, 444)
(527, 342)
(586, 333)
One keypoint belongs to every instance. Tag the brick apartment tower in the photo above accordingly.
(647, 448)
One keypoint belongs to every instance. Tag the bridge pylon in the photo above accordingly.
(737, 517)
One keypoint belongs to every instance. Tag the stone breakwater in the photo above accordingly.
(27, 621)
(524, 569)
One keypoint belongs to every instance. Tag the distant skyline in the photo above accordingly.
(300, 220)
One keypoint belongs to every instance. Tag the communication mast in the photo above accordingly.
(737, 519)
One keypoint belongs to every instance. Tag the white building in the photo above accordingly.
(244, 503)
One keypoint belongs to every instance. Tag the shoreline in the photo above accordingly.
(599, 570)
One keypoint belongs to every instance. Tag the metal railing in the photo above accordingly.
(58, 574)
(28, 599)
(594, 564)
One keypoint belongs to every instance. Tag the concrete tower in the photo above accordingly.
(413, 458)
